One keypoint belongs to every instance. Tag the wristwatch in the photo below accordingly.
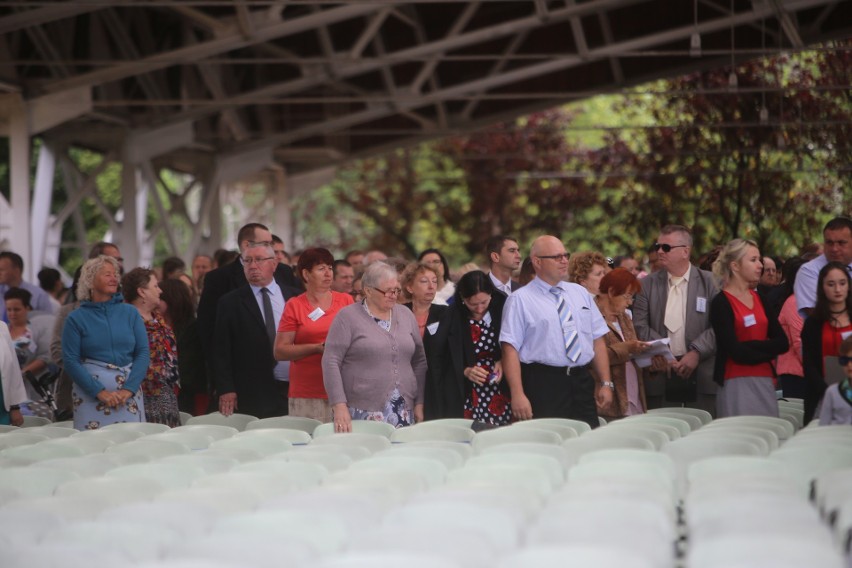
(14, 407)
(608, 384)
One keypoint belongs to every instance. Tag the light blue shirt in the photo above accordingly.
(276, 298)
(805, 286)
(531, 323)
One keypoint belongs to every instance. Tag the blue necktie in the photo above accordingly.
(569, 333)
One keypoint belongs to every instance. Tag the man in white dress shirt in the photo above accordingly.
(504, 258)
(837, 240)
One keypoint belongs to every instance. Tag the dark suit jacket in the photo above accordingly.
(242, 357)
(448, 352)
(812, 364)
(649, 315)
(219, 282)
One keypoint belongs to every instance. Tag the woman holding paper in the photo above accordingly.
(615, 295)
(747, 341)
(302, 331)
(825, 329)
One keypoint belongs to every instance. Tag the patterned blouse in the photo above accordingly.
(163, 369)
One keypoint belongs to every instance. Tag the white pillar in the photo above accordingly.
(282, 214)
(42, 198)
(128, 236)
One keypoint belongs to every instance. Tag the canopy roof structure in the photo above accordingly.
(203, 86)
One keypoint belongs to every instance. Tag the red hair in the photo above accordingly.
(620, 281)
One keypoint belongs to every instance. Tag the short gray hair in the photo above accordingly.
(266, 246)
(89, 271)
(377, 272)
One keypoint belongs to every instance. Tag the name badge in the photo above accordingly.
(316, 314)
(749, 320)
(845, 334)
(700, 304)
(432, 328)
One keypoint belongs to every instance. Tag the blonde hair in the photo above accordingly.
(88, 273)
(734, 251)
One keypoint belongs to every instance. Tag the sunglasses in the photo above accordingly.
(844, 360)
(666, 247)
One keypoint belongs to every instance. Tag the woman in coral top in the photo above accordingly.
(302, 331)
(746, 339)
(825, 329)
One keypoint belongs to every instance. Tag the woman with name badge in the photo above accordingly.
(747, 341)
(302, 331)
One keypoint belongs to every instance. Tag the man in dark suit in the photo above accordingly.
(504, 258)
(246, 374)
(675, 302)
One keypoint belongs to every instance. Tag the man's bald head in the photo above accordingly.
(549, 259)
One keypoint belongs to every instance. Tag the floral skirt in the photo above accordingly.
(163, 408)
(395, 412)
(91, 414)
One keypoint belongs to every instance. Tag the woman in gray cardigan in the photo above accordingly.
(374, 367)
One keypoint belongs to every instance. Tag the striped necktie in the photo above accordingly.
(569, 332)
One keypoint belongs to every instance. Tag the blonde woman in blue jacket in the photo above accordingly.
(105, 350)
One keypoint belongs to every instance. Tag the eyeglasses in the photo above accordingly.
(562, 256)
(666, 247)
(250, 261)
(389, 292)
(844, 360)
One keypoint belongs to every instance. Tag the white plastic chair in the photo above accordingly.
(764, 440)
(793, 415)
(778, 551)
(671, 432)
(782, 428)
(195, 441)
(215, 431)
(691, 449)
(565, 431)
(703, 415)
(209, 464)
(8, 428)
(52, 431)
(264, 445)
(450, 459)
(186, 520)
(681, 422)
(15, 439)
(832, 488)
(184, 417)
(258, 551)
(297, 474)
(695, 421)
(41, 451)
(432, 431)
(432, 471)
(517, 475)
(35, 481)
(87, 444)
(328, 457)
(621, 455)
(651, 432)
(509, 435)
(112, 490)
(656, 473)
(381, 558)
(307, 425)
(464, 451)
(294, 437)
(502, 530)
(372, 442)
(600, 556)
(28, 527)
(115, 435)
(135, 541)
(223, 500)
(322, 530)
(808, 462)
(236, 420)
(578, 446)
(722, 467)
(92, 465)
(469, 549)
(462, 422)
(64, 424)
(169, 475)
(145, 428)
(625, 489)
(577, 425)
(151, 449)
(371, 427)
(548, 464)
(558, 453)
(263, 484)
(35, 421)
(388, 487)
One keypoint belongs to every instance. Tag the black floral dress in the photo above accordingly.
(489, 402)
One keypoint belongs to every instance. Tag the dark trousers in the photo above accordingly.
(793, 386)
(284, 391)
(555, 394)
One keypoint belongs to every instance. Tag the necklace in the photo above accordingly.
(385, 324)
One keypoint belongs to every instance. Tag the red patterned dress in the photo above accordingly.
(162, 381)
(489, 402)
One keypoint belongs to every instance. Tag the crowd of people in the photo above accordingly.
(264, 332)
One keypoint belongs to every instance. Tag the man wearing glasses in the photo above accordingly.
(230, 277)
(552, 334)
(248, 379)
(674, 303)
